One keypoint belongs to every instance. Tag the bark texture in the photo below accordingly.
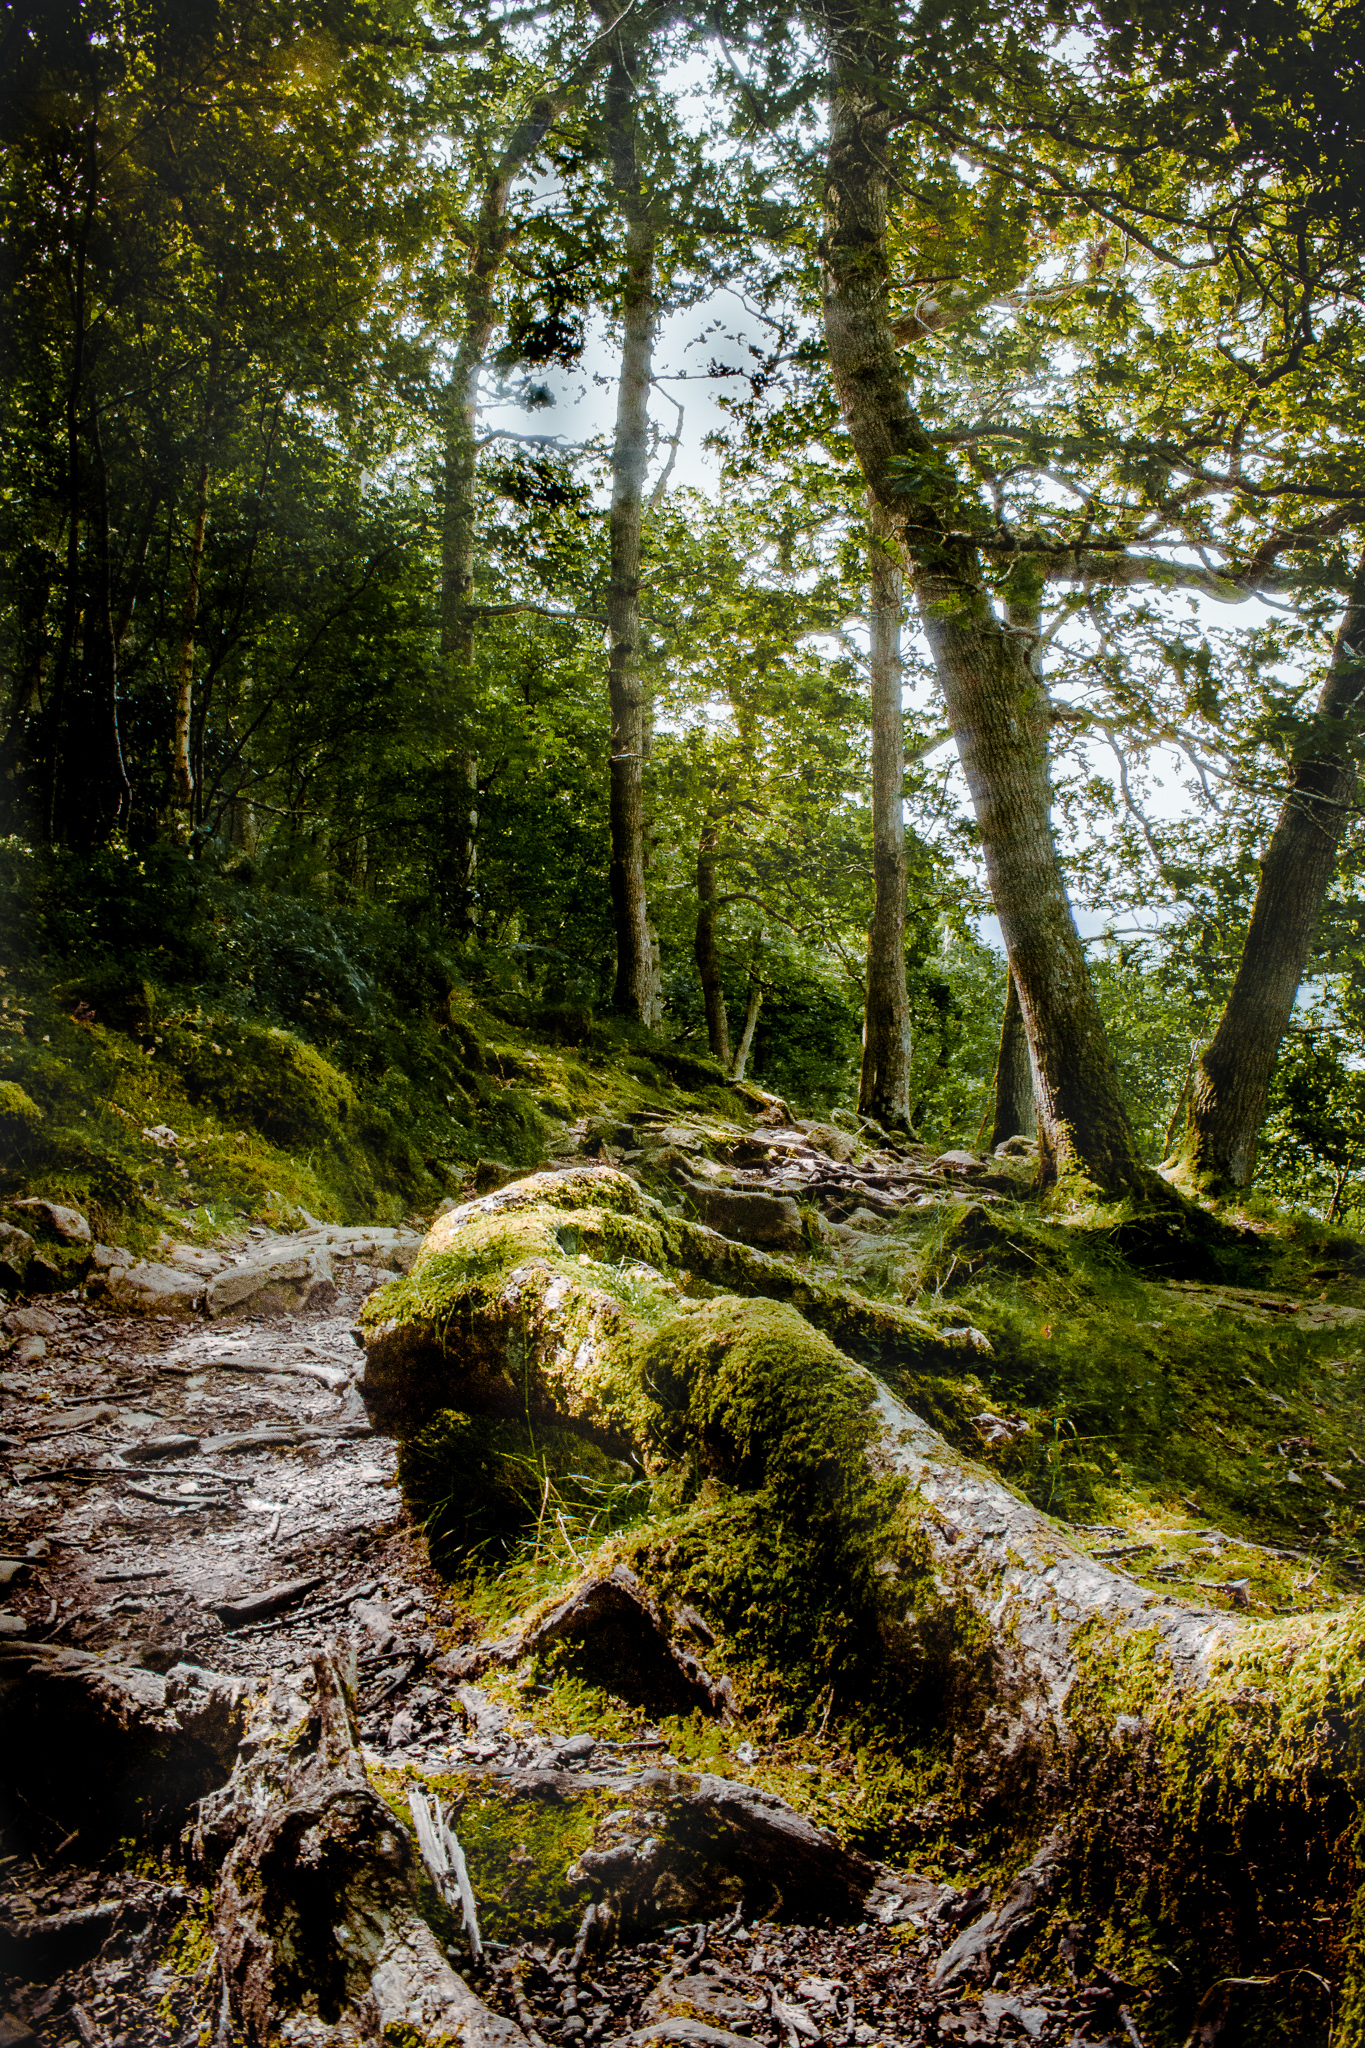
(1231, 1082)
(704, 946)
(316, 1921)
(182, 686)
(884, 1084)
(753, 1004)
(1015, 1112)
(636, 985)
(985, 665)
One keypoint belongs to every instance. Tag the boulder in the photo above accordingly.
(829, 1139)
(689, 1846)
(67, 1224)
(105, 1746)
(958, 1162)
(16, 1251)
(147, 1289)
(772, 1221)
(289, 1276)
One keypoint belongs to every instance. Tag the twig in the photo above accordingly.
(444, 1858)
(1129, 2028)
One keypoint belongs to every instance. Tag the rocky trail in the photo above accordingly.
(212, 1593)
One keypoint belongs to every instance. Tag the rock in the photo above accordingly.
(286, 1277)
(318, 1899)
(687, 1847)
(710, 1996)
(111, 1747)
(13, 1625)
(1017, 1147)
(828, 1138)
(29, 1350)
(14, 2033)
(772, 1221)
(67, 1224)
(376, 1619)
(32, 1322)
(147, 1289)
(491, 1174)
(683, 2031)
(958, 1162)
(627, 1635)
(258, 1606)
(103, 1257)
(16, 1250)
(190, 1258)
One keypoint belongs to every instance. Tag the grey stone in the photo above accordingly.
(287, 1274)
(29, 1350)
(147, 1289)
(16, 1249)
(32, 1322)
(104, 1257)
(958, 1162)
(750, 1216)
(829, 1139)
(67, 1224)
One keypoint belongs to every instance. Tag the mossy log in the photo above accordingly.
(1207, 1767)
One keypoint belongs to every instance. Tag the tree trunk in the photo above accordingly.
(182, 692)
(985, 667)
(1227, 1101)
(488, 247)
(884, 1085)
(1016, 1114)
(746, 1036)
(109, 791)
(635, 983)
(704, 946)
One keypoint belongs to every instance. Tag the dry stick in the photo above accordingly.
(444, 1858)
(1129, 2028)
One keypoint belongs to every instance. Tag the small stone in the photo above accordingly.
(33, 1322)
(13, 1625)
(402, 1728)
(67, 1224)
(958, 1162)
(578, 1748)
(14, 2034)
(29, 1350)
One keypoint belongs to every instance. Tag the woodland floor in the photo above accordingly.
(104, 1952)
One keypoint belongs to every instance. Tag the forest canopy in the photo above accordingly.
(370, 593)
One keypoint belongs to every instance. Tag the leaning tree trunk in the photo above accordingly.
(994, 699)
(1227, 1101)
(1016, 1114)
(884, 1085)
(704, 945)
(635, 983)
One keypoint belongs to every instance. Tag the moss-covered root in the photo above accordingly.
(316, 1916)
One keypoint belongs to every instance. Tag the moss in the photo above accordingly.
(20, 1120)
(519, 1851)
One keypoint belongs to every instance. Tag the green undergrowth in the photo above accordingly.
(274, 1058)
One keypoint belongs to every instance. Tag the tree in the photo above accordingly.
(884, 1085)
(996, 702)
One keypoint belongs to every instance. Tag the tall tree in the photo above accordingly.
(1234, 1072)
(995, 701)
(637, 992)
(884, 1084)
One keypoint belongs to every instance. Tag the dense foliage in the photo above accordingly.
(251, 764)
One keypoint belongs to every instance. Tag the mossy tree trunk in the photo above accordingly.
(986, 669)
(704, 944)
(636, 982)
(1233, 1076)
(884, 1083)
(1015, 1112)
